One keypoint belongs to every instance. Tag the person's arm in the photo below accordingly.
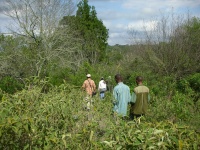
(83, 86)
(115, 96)
(149, 97)
(133, 97)
(129, 96)
(94, 86)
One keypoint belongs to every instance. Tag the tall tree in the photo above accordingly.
(92, 31)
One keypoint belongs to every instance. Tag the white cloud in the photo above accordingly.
(157, 4)
(101, 0)
(118, 38)
(148, 10)
(120, 15)
(115, 35)
(112, 15)
(143, 15)
(143, 25)
(120, 26)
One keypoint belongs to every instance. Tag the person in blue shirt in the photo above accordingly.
(122, 97)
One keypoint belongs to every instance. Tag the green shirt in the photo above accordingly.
(140, 97)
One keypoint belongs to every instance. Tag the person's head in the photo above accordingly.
(139, 79)
(101, 78)
(118, 78)
(88, 75)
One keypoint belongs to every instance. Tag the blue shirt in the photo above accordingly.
(122, 97)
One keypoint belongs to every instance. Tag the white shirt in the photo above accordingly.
(102, 85)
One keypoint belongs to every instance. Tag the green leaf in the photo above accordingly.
(158, 131)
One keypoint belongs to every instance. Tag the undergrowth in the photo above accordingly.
(56, 118)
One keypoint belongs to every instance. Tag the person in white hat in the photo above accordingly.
(89, 85)
(90, 88)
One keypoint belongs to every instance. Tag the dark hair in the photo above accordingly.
(139, 78)
(118, 77)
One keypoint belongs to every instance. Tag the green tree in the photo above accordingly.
(92, 31)
(192, 38)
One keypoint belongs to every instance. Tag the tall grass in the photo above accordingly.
(57, 118)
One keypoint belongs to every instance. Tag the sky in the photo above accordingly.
(119, 16)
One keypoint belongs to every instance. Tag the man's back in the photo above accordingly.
(102, 84)
(121, 94)
(141, 89)
(142, 96)
(89, 86)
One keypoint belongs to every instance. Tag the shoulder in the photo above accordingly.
(136, 88)
(84, 83)
(116, 87)
(140, 88)
(127, 87)
(123, 86)
(93, 81)
(145, 87)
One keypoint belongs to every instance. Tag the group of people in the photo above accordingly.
(90, 87)
(138, 98)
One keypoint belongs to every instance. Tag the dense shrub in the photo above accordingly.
(191, 86)
(10, 85)
(194, 81)
(32, 119)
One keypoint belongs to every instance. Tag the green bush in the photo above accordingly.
(10, 85)
(194, 81)
(191, 86)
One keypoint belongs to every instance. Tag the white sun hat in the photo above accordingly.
(88, 75)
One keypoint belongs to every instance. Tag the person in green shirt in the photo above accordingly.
(139, 100)
(122, 97)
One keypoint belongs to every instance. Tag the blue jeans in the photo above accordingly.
(102, 94)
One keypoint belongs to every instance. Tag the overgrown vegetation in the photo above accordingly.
(58, 119)
(44, 64)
